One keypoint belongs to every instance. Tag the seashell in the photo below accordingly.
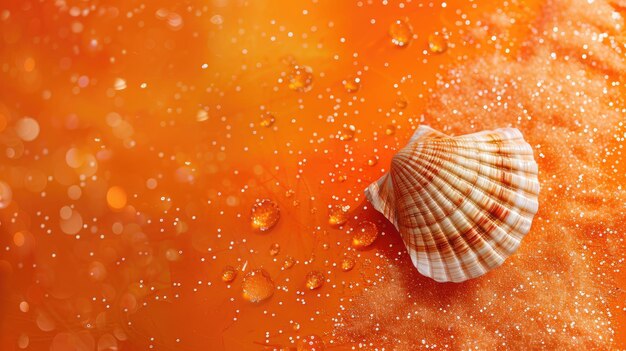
(461, 204)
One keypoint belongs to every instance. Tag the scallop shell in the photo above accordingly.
(461, 204)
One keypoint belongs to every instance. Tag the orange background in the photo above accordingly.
(128, 94)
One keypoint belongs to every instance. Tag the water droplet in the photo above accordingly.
(401, 33)
(274, 249)
(402, 103)
(314, 280)
(390, 130)
(289, 262)
(338, 215)
(372, 161)
(352, 85)
(264, 215)
(267, 119)
(301, 78)
(311, 343)
(347, 133)
(6, 195)
(257, 286)
(437, 43)
(347, 264)
(228, 274)
(364, 234)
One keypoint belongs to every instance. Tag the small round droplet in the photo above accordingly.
(352, 85)
(264, 215)
(338, 215)
(364, 234)
(228, 274)
(347, 133)
(311, 343)
(347, 264)
(402, 103)
(289, 262)
(390, 130)
(301, 78)
(401, 33)
(274, 249)
(314, 280)
(372, 161)
(437, 43)
(257, 286)
(267, 119)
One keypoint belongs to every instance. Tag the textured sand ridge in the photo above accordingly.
(562, 89)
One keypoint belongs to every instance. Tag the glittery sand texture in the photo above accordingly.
(562, 87)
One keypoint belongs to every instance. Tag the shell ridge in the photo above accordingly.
(467, 209)
(454, 249)
(516, 177)
(446, 181)
(379, 195)
(524, 165)
(449, 166)
(483, 192)
(470, 223)
(398, 171)
(487, 148)
(487, 135)
(421, 202)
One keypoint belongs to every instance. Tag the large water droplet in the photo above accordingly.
(257, 286)
(264, 215)
(352, 85)
(347, 264)
(364, 234)
(267, 119)
(301, 78)
(437, 43)
(338, 215)
(229, 274)
(401, 33)
(314, 280)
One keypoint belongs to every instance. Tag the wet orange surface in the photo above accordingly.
(190, 176)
